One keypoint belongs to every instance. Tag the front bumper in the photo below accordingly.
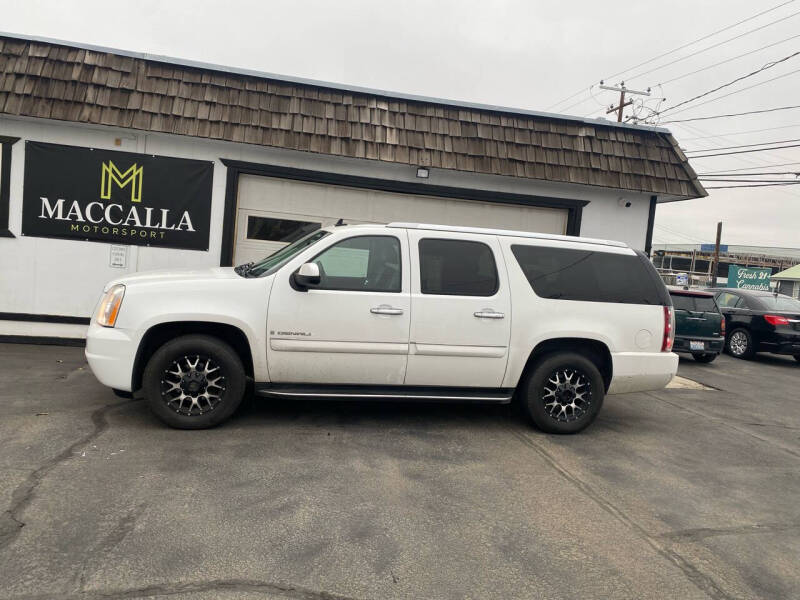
(111, 352)
(711, 345)
(642, 371)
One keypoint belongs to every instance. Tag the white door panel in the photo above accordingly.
(340, 336)
(458, 340)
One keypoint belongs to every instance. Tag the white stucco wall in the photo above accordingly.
(65, 277)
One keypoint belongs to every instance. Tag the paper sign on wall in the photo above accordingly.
(118, 257)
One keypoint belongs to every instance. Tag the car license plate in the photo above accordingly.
(696, 345)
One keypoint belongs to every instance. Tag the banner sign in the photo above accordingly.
(723, 248)
(117, 197)
(748, 278)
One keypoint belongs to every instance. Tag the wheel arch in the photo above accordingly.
(595, 350)
(160, 333)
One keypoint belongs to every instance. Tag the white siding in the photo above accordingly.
(65, 277)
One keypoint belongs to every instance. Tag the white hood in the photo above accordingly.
(175, 275)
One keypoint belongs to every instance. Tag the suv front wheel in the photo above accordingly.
(194, 382)
(563, 393)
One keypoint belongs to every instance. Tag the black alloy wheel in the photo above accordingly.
(563, 393)
(194, 382)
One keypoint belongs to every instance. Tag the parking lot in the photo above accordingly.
(681, 493)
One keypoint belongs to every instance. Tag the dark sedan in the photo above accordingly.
(758, 321)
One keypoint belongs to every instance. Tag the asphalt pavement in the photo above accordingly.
(674, 494)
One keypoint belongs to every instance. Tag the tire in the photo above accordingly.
(740, 344)
(552, 414)
(704, 357)
(797, 357)
(180, 386)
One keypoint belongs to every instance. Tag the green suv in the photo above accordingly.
(699, 326)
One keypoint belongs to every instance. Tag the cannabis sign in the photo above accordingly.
(118, 197)
(748, 278)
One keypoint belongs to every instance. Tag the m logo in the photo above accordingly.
(111, 174)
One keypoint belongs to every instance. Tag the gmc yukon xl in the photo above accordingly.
(398, 311)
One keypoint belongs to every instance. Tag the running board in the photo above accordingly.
(405, 393)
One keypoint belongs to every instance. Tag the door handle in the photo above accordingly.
(385, 309)
(488, 313)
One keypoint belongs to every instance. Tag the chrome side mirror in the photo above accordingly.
(307, 276)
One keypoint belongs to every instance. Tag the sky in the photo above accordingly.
(524, 54)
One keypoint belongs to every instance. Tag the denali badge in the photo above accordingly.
(299, 333)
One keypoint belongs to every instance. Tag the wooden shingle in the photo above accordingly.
(47, 80)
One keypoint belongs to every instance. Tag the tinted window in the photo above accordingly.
(369, 263)
(779, 303)
(728, 300)
(567, 274)
(705, 303)
(278, 230)
(693, 303)
(457, 268)
(682, 302)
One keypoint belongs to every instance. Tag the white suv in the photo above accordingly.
(408, 311)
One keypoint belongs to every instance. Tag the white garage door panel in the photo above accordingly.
(325, 204)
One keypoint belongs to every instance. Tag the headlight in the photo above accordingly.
(108, 310)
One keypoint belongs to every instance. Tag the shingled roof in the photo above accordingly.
(56, 80)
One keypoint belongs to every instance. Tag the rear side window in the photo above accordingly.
(457, 268)
(693, 303)
(568, 274)
(681, 302)
(729, 300)
(705, 304)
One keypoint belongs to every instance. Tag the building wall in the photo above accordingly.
(65, 277)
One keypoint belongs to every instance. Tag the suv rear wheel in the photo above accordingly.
(563, 393)
(194, 382)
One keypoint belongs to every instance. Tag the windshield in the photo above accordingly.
(270, 264)
(780, 303)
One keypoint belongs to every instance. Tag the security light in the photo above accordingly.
(422, 172)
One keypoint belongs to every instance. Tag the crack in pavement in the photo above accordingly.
(701, 533)
(292, 592)
(11, 523)
(728, 424)
(702, 581)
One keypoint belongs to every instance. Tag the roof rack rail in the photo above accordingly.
(508, 232)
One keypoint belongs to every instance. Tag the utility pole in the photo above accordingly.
(716, 256)
(622, 91)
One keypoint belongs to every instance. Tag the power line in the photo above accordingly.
(732, 133)
(729, 174)
(746, 151)
(727, 60)
(769, 65)
(571, 96)
(751, 112)
(762, 160)
(750, 87)
(717, 45)
(748, 180)
(750, 185)
(705, 37)
(749, 168)
(743, 145)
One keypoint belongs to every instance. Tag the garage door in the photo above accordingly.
(273, 212)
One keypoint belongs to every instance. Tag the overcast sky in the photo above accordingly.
(525, 54)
